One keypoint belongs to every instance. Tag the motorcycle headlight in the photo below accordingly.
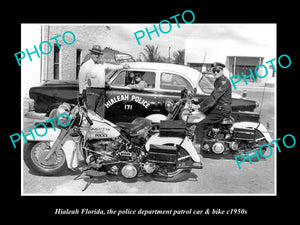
(63, 108)
(63, 115)
(169, 104)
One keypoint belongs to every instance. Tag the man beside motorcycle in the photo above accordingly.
(217, 106)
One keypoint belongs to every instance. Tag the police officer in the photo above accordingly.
(92, 81)
(137, 83)
(217, 106)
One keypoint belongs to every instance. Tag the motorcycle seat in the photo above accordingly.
(228, 120)
(135, 126)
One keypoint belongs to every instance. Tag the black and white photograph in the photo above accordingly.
(169, 108)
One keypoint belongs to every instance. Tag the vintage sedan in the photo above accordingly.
(125, 104)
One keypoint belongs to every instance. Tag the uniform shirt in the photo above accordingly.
(221, 95)
(93, 75)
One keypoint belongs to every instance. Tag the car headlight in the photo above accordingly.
(244, 94)
(169, 104)
(63, 114)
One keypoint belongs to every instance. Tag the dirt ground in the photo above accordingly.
(220, 174)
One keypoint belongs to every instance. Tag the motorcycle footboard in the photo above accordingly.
(163, 154)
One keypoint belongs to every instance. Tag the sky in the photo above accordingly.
(251, 38)
(217, 39)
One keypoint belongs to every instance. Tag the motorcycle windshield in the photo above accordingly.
(96, 117)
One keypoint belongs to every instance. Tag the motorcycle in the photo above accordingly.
(97, 147)
(224, 137)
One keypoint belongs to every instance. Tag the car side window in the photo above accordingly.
(125, 78)
(172, 81)
(148, 77)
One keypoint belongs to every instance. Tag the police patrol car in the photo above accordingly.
(164, 81)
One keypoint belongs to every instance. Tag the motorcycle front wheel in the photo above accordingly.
(34, 158)
(174, 174)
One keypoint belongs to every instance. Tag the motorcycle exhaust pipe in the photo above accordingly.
(195, 165)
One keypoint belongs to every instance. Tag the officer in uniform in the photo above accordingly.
(92, 81)
(217, 106)
(137, 83)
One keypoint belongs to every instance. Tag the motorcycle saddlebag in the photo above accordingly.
(247, 134)
(162, 154)
(172, 128)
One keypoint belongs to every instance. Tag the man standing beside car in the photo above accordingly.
(92, 80)
(217, 106)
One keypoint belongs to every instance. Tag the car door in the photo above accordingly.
(125, 104)
(170, 86)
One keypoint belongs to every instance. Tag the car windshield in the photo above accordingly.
(110, 74)
(206, 83)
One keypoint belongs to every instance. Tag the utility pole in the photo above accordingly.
(169, 54)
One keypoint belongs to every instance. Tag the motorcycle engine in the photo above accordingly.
(129, 170)
(218, 148)
(111, 150)
(217, 136)
(219, 132)
(103, 149)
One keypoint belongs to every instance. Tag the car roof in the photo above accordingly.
(189, 72)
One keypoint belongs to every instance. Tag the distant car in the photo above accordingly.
(164, 81)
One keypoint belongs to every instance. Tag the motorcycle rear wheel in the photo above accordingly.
(176, 175)
(261, 152)
(34, 158)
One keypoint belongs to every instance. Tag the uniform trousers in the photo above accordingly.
(96, 100)
(216, 115)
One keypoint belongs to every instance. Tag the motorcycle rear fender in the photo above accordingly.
(257, 126)
(51, 134)
(156, 118)
(186, 144)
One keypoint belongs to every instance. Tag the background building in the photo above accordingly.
(63, 62)
(237, 57)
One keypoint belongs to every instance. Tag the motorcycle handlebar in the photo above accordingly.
(85, 114)
(89, 120)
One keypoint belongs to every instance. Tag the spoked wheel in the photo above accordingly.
(171, 173)
(34, 157)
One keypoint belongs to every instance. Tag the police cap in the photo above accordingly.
(217, 65)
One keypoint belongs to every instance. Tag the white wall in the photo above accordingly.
(30, 70)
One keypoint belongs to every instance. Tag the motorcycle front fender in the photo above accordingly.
(186, 144)
(69, 147)
(51, 134)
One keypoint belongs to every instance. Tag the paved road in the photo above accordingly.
(219, 175)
